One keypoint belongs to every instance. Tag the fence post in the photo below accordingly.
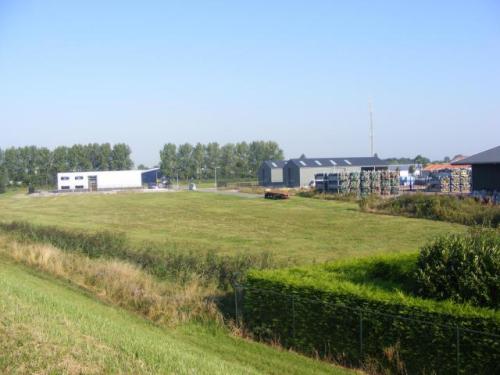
(458, 349)
(360, 336)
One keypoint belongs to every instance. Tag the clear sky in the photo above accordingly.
(298, 72)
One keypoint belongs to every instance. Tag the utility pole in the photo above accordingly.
(215, 183)
(371, 126)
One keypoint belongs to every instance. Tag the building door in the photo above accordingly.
(92, 183)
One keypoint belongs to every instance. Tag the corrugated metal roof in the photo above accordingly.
(275, 163)
(491, 156)
(339, 162)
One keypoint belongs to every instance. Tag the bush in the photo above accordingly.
(223, 270)
(462, 210)
(465, 268)
(319, 313)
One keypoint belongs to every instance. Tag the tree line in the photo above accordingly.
(232, 160)
(32, 165)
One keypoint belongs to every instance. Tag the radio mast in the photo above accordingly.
(371, 126)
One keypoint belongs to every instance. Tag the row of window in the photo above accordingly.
(76, 187)
(66, 178)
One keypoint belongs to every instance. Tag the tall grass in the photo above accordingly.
(462, 210)
(179, 266)
(121, 283)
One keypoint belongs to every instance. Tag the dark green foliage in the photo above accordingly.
(4, 180)
(316, 311)
(240, 160)
(465, 268)
(39, 166)
(181, 266)
(462, 210)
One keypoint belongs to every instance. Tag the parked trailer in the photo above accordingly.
(276, 195)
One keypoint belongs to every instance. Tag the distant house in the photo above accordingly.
(485, 169)
(106, 180)
(271, 173)
(300, 172)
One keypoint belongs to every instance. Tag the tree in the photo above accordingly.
(120, 157)
(419, 159)
(142, 167)
(227, 160)
(168, 160)
(185, 163)
(212, 158)
(199, 159)
(411, 169)
(241, 162)
(303, 156)
(4, 180)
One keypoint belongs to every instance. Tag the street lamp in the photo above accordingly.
(215, 182)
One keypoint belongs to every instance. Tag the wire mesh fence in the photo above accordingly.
(354, 336)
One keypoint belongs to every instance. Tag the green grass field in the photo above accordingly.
(303, 229)
(49, 326)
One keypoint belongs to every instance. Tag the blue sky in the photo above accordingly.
(298, 72)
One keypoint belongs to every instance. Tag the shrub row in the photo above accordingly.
(462, 210)
(317, 313)
(212, 268)
(465, 268)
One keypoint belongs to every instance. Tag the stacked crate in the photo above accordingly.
(375, 183)
(354, 182)
(465, 180)
(394, 181)
(385, 182)
(444, 184)
(365, 183)
(455, 181)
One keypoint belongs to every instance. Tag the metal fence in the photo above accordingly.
(458, 334)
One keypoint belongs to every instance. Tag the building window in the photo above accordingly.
(79, 187)
(64, 178)
(79, 178)
(65, 187)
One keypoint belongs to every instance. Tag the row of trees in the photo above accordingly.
(232, 160)
(39, 165)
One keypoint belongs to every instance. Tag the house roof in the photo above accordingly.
(491, 156)
(443, 166)
(339, 162)
(275, 163)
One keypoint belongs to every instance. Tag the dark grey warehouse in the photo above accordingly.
(485, 170)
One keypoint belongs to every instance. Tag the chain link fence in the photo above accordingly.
(458, 342)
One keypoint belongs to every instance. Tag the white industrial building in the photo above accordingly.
(105, 180)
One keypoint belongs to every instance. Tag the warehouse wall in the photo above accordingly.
(105, 180)
(486, 177)
(276, 176)
(307, 174)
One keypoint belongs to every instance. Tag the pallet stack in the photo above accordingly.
(455, 181)
(375, 183)
(465, 181)
(394, 182)
(365, 183)
(385, 182)
(354, 182)
(444, 184)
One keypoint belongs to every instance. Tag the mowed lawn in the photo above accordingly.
(300, 228)
(50, 327)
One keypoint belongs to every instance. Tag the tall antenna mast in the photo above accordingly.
(371, 126)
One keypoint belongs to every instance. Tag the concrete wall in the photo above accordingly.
(105, 180)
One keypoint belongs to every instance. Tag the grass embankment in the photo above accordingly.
(50, 326)
(462, 210)
(303, 229)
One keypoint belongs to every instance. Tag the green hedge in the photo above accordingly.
(314, 311)
(465, 268)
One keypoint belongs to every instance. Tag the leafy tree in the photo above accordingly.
(185, 162)
(212, 158)
(142, 167)
(120, 157)
(168, 160)
(199, 159)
